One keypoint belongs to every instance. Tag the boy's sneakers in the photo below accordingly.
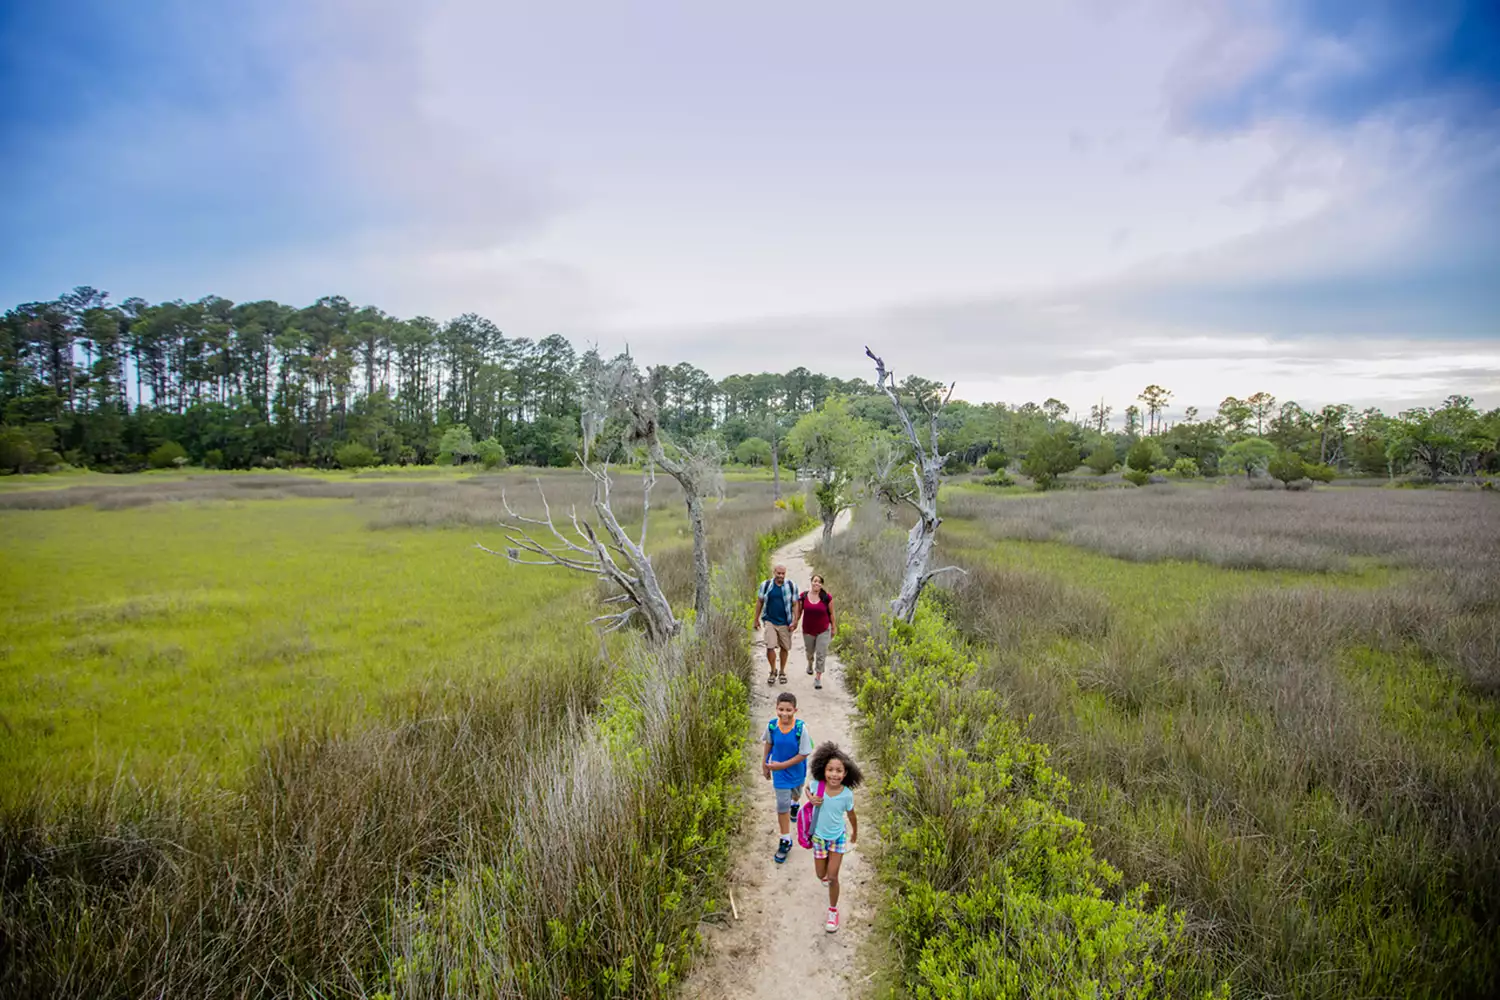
(783, 849)
(833, 920)
(794, 812)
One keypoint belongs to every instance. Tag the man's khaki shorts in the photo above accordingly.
(778, 637)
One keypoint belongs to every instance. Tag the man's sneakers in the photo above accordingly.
(833, 920)
(783, 849)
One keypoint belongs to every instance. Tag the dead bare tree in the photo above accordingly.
(612, 556)
(697, 465)
(926, 470)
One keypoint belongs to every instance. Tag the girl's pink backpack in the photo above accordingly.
(807, 821)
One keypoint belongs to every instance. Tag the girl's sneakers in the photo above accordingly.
(833, 920)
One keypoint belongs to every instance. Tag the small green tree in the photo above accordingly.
(829, 440)
(996, 459)
(1185, 468)
(1319, 472)
(16, 451)
(1144, 455)
(1101, 459)
(1051, 454)
(355, 456)
(1140, 477)
(1286, 466)
(753, 451)
(491, 453)
(456, 446)
(166, 455)
(213, 459)
(1249, 456)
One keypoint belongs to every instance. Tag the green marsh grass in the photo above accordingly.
(1304, 758)
(430, 778)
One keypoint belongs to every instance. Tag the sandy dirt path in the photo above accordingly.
(778, 947)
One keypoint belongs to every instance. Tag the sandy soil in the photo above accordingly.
(778, 947)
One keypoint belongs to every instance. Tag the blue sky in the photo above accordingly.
(1069, 199)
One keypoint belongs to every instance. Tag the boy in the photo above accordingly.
(786, 745)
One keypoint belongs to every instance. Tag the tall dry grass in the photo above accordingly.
(1319, 531)
(1312, 773)
(557, 833)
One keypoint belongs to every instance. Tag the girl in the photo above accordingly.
(815, 610)
(833, 818)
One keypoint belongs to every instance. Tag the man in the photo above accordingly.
(775, 604)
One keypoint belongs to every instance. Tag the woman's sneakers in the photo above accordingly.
(833, 920)
(783, 849)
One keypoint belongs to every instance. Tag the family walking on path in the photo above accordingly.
(782, 608)
(784, 915)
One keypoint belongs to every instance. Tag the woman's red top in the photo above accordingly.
(816, 617)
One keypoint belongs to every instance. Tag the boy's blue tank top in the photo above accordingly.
(785, 746)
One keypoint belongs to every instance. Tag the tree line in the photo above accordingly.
(118, 386)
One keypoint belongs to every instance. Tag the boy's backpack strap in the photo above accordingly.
(797, 732)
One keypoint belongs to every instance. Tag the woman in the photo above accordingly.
(815, 610)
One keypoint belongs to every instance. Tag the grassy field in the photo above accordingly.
(293, 730)
(1278, 710)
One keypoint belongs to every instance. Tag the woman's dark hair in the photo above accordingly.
(853, 776)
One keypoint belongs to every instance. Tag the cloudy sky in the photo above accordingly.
(1068, 199)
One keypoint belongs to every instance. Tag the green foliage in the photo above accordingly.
(995, 460)
(355, 456)
(1144, 455)
(1050, 455)
(213, 459)
(995, 890)
(1250, 455)
(1140, 477)
(1185, 468)
(998, 479)
(166, 455)
(491, 453)
(456, 445)
(753, 451)
(1320, 473)
(1102, 459)
(1286, 466)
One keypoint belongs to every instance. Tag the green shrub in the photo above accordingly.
(1143, 455)
(213, 459)
(355, 456)
(955, 464)
(491, 453)
(1101, 459)
(165, 455)
(1139, 477)
(1320, 473)
(995, 890)
(1186, 468)
(998, 479)
(1300, 485)
(995, 461)
(1050, 455)
(1287, 466)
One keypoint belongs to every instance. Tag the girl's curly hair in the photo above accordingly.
(853, 776)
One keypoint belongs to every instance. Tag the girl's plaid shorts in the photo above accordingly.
(822, 847)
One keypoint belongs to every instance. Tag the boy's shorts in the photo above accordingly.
(822, 848)
(785, 797)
